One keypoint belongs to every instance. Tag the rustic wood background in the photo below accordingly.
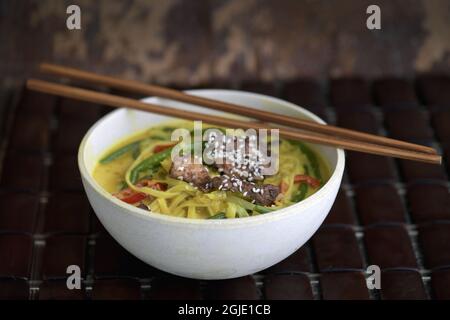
(201, 41)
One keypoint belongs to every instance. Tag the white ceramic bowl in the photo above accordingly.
(205, 249)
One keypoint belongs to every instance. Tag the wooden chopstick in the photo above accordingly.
(153, 90)
(118, 101)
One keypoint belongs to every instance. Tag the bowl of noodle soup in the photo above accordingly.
(183, 241)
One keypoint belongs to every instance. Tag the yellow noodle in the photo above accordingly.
(177, 200)
(191, 212)
(231, 210)
(163, 205)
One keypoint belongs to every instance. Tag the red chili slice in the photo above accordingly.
(130, 196)
(152, 184)
(162, 147)
(313, 182)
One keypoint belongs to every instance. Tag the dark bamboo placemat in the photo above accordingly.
(392, 213)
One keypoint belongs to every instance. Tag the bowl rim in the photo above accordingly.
(274, 215)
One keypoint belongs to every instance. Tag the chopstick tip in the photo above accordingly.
(43, 65)
(29, 83)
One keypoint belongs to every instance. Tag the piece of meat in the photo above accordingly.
(196, 174)
(237, 176)
(246, 161)
(264, 194)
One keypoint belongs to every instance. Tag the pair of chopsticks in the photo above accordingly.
(299, 129)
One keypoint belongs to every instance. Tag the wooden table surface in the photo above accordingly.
(392, 213)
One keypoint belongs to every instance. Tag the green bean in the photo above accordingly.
(119, 152)
(159, 137)
(149, 172)
(151, 163)
(241, 202)
(154, 159)
(134, 175)
(301, 193)
(303, 189)
(306, 167)
(262, 209)
(136, 152)
(220, 215)
(123, 185)
(248, 205)
(312, 158)
(241, 212)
